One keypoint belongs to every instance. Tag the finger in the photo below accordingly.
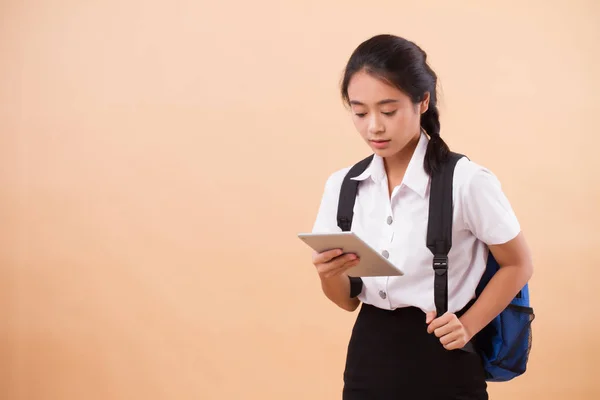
(435, 324)
(439, 322)
(430, 316)
(338, 265)
(455, 345)
(450, 327)
(348, 265)
(340, 261)
(450, 337)
(326, 256)
(342, 268)
(345, 262)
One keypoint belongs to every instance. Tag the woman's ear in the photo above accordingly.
(425, 103)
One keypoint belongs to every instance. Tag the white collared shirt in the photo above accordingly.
(398, 226)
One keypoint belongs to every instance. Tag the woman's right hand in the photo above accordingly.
(333, 263)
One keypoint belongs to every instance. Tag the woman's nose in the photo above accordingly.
(375, 124)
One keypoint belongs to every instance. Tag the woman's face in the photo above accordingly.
(384, 116)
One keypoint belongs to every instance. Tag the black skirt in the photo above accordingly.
(391, 356)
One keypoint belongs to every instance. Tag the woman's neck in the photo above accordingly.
(396, 165)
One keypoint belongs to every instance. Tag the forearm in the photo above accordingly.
(498, 293)
(337, 289)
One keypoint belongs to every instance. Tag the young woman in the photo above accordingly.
(399, 348)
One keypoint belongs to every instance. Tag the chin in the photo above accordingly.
(385, 152)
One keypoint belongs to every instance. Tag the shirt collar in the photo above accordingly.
(375, 170)
(415, 176)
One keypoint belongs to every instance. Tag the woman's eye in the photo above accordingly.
(360, 115)
(389, 114)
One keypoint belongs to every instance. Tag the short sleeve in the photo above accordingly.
(326, 221)
(486, 210)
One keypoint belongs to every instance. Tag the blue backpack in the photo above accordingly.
(504, 344)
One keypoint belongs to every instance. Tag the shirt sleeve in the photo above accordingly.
(487, 211)
(326, 221)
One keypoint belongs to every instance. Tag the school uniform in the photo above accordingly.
(390, 354)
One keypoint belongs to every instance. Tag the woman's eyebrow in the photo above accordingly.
(379, 103)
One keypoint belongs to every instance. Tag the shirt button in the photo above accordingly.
(385, 253)
(382, 294)
(390, 220)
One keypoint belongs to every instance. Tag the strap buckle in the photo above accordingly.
(440, 264)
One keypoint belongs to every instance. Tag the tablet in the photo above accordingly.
(371, 262)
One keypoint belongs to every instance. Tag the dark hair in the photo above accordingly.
(402, 64)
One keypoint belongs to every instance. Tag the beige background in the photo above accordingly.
(158, 159)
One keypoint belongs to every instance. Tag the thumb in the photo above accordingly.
(430, 316)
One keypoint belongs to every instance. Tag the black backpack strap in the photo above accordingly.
(439, 229)
(348, 193)
(345, 211)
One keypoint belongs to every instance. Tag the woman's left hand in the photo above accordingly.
(452, 333)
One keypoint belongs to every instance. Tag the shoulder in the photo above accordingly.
(484, 207)
(335, 179)
(326, 217)
(469, 175)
